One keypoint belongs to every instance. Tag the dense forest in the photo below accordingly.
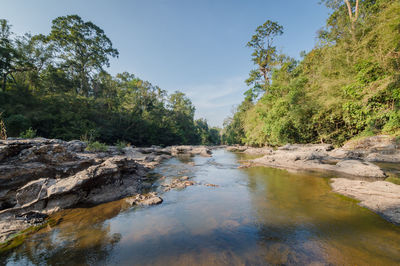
(348, 86)
(56, 86)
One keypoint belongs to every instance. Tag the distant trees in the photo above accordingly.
(60, 89)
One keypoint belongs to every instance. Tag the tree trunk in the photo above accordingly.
(353, 19)
(4, 82)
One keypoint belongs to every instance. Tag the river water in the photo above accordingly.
(255, 216)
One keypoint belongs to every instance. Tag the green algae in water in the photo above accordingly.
(346, 198)
(19, 238)
(393, 179)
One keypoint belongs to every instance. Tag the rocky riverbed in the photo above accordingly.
(41, 176)
(355, 160)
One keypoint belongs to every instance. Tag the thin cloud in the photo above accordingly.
(214, 101)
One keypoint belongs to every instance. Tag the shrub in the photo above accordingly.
(96, 147)
(120, 144)
(28, 134)
(17, 124)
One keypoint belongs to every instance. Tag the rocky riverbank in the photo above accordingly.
(355, 160)
(41, 176)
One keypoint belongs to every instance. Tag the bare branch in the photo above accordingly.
(356, 15)
(349, 9)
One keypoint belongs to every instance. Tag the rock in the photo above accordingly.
(179, 184)
(259, 151)
(236, 148)
(381, 148)
(76, 146)
(380, 196)
(380, 142)
(145, 199)
(184, 178)
(32, 191)
(211, 185)
(33, 217)
(42, 176)
(315, 158)
(359, 168)
(191, 150)
(152, 201)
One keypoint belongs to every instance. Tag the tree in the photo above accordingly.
(11, 61)
(264, 54)
(353, 10)
(182, 117)
(83, 48)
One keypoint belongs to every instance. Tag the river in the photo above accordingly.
(255, 216)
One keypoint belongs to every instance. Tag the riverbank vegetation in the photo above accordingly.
(56, 85)
(347, 86)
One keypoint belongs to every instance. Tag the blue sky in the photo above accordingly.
(195, 46)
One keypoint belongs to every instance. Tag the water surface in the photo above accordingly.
(255, 216)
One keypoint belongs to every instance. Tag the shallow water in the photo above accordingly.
(255, 216)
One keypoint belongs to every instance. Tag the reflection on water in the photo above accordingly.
(255, 216)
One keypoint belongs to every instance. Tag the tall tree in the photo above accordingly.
(11, 61)
(83, 48)
(353, 11)
(264, 54)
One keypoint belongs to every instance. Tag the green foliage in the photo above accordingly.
(207, 135)
(264, 56)
(121, 145)
(83, 48)
(28, 134)
(347, 86)
(17, 124)
(56, 83)
(96, 147)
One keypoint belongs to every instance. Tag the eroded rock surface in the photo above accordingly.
(379, 196)
(191, 150)
(354, 158)
(43, 176)
(316, 158)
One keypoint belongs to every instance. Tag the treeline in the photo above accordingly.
(55, 86)
(347, 86)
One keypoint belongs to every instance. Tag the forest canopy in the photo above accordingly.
(56, 86)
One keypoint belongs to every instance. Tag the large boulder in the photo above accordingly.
(359, 168)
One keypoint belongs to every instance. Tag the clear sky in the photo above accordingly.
(195, 46)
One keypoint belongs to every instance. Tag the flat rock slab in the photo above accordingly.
(380, 196)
